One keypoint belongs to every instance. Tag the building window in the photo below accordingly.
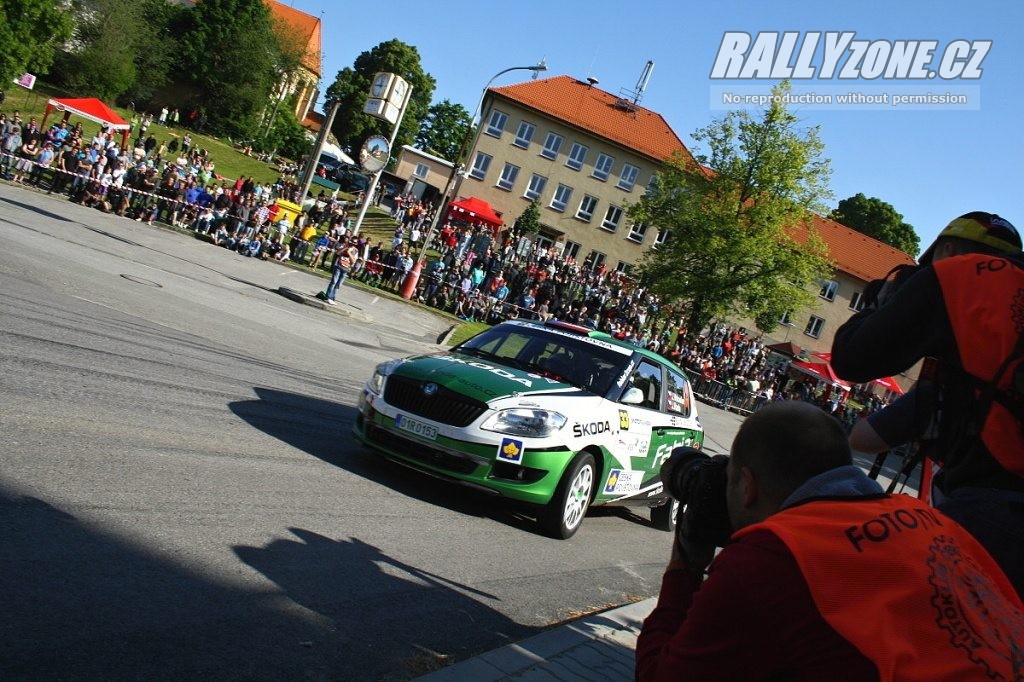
(480, 165)
(524, 134)
(594, 261)
(829, 289)
(637, 232)
(857, 302)
(496, 124)
(624, 267)
(662, 237)
(552, 143)
(577, 155)
(422, 170)
(603, 167)
(561, 198)
(786, 318)
(611, 218)
(508, 176)
(586, 209)
(651, 184)
(814, 325)
(536, 187)
(627, 178)
(571, 250)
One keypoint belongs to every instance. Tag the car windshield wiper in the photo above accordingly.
(479, 353)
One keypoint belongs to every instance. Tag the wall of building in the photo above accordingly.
(621, 245)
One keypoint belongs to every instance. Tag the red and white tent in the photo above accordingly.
(475, 210)
(90, 109)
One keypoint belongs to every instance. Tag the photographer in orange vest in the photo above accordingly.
(826, 577)
(963, 307)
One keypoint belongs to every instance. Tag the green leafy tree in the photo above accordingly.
(352, 85)
(529, 221)
(100, 58)
(444, 129)
(30, 31)
(878, 219)
(232, 55)
(287, 136)
(741, 241)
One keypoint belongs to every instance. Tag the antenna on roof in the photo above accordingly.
(629, 99)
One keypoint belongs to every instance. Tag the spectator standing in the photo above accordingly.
(344, 259)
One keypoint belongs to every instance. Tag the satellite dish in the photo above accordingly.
(375, 153)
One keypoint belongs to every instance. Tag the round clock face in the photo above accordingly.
(400, 88)
(379, 87)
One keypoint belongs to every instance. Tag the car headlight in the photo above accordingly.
(380, 373)
(519, 421)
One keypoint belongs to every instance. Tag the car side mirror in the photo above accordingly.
(632, 396)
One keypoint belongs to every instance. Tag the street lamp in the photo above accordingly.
(409, 286)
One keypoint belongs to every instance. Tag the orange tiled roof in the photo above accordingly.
(585, 106)
(858, 254)
(302, 27)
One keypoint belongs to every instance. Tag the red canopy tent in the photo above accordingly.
(90, 109)
(475, 210)
(822, 370)
(888, 383)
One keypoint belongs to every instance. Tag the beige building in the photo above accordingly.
(425, 175)
(582, 153)
(303, 32)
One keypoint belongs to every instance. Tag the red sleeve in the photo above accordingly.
(753, 618)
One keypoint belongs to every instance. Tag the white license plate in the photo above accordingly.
(416, 427)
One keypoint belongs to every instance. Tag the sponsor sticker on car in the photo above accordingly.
(511, 450)
(623, 482)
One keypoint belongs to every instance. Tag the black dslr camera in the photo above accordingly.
(698, 481)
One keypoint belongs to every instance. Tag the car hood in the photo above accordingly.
(483, 380)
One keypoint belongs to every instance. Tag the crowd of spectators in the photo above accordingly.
(477, 275)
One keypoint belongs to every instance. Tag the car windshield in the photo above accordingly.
(562, 356)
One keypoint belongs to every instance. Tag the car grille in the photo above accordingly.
(445, 406)
(420, 451)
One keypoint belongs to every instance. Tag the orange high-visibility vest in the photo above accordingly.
(907, 586)
(984, 297)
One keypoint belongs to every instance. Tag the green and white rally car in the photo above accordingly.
(552, 414)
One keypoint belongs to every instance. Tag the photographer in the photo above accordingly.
(826, 577)
(963, 307)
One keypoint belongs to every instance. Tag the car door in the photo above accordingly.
(648, 432)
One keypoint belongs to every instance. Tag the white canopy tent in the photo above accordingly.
(333, 151)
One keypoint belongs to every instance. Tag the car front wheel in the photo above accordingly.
(663, 517)
(563, 515)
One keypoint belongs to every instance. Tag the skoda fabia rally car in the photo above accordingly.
(558, 416)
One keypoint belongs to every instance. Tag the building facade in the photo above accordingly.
(583, 154)
(301, 32)
(425, 175)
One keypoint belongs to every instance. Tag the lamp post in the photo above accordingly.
(409, 285)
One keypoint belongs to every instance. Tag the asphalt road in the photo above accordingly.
(180, 496)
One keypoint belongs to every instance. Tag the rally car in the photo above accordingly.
(558, 416)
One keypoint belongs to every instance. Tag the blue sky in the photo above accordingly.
(931, 165)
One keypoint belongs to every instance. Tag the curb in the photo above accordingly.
(604, 641)
(442, 339)
(313, 301)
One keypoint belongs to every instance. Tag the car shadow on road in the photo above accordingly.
(392, 618)
(84, 602)
(323, 428)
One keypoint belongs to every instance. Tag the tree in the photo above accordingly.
(740, 242)
(232, 55)
(29, 33)
(444, 129)
(878, 219)
(351, 86)
(528, 222)
(100, 58)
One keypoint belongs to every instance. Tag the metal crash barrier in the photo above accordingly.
(727, 397)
